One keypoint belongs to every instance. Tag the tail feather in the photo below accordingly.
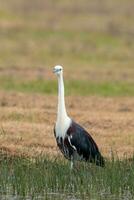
(99, 160)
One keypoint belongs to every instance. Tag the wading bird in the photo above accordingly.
(73, 140)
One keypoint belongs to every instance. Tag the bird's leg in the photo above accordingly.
(72, 163)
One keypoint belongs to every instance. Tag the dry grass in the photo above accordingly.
(27, 122)
(92, 74)
(93, 40)
(88, 34)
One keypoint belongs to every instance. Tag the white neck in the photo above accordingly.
(62, 114)
(63, 121)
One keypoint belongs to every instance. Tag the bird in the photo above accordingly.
(73, 140)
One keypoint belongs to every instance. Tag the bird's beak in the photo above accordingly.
(56, 70)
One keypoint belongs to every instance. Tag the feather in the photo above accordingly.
(84, 144)
(74, 141)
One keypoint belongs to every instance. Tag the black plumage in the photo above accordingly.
(79, 145)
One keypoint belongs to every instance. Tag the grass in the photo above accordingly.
(41, 36)
(73, 35)
(94, 42)
(73, 87)
(33, 47)
(51, 178)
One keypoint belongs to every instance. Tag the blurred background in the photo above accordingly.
(93, 40)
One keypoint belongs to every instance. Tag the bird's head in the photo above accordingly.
(58, 69)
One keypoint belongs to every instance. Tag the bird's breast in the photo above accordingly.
(62, 127)
(60, 132)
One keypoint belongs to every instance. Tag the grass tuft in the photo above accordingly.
(52, 178)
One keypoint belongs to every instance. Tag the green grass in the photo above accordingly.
(33, 47)
(53, 179)
(89, 36)
(72, 87)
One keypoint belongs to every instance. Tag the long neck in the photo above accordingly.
(62, 114)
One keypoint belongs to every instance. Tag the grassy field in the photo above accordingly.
(43, 178)
(27, 122)
(93, 40)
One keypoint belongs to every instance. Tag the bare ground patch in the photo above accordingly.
(27, 121)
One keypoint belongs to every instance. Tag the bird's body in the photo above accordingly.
(73, 140)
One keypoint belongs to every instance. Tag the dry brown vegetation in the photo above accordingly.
(88, 34)
(26, 122)
(93, 40)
